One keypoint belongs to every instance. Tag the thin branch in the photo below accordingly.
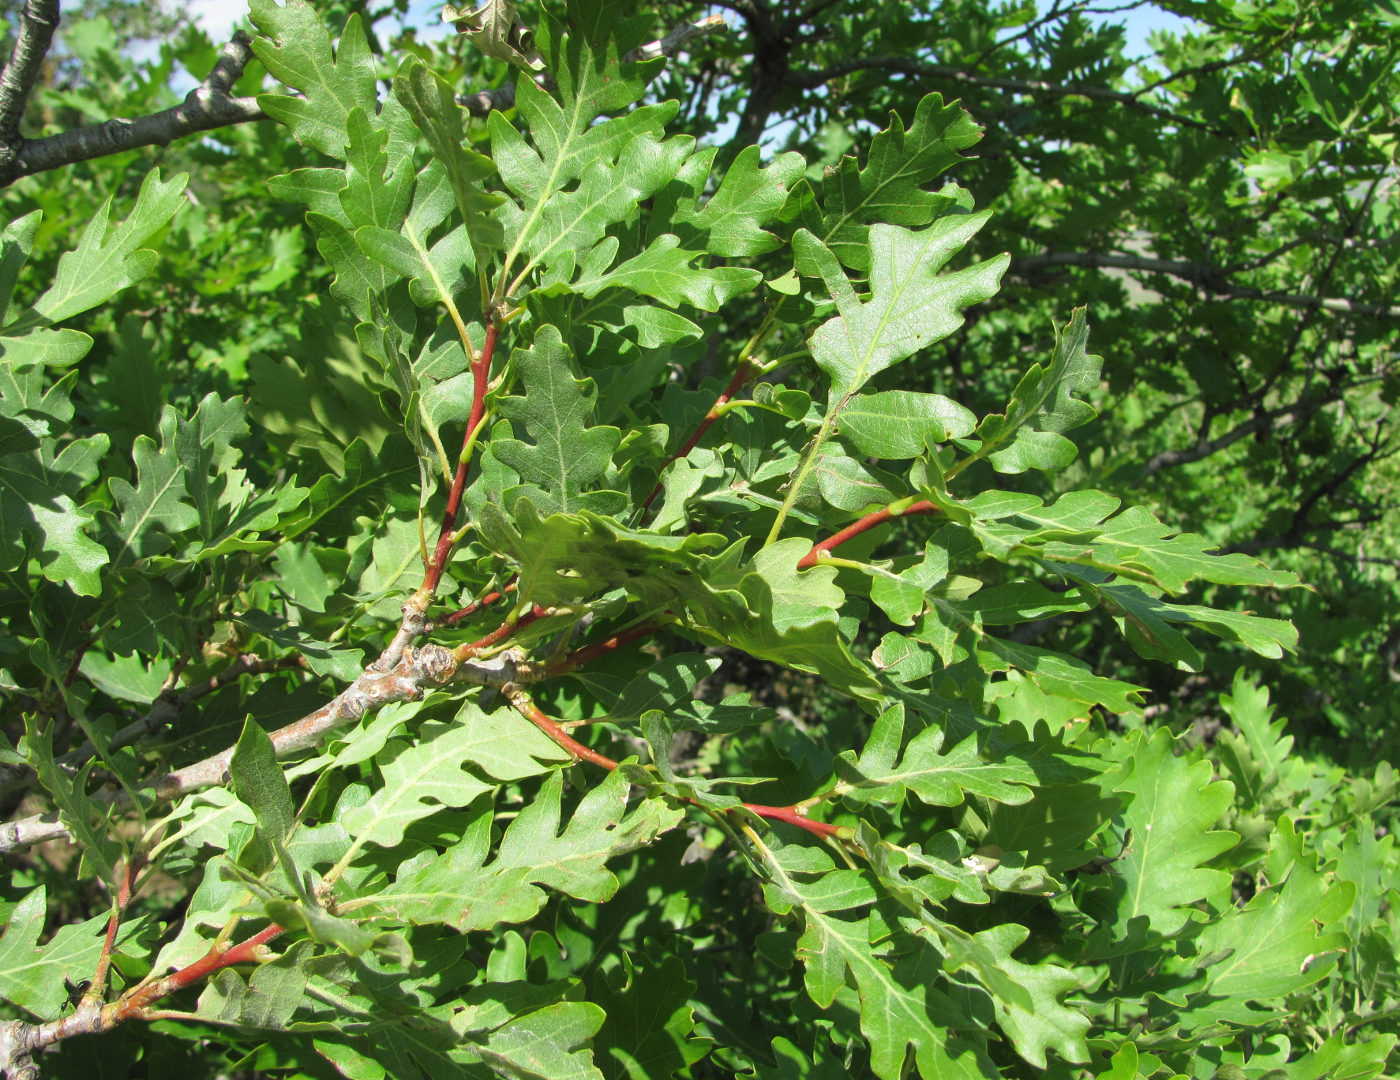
(19, 1040)
(471, 609)
(37, 23)
(672, 43)
(1246, 57)
(419, 671)
(579, 657)
(1206, 277)
(792, 815)
(208, 106)
(163, 712)
(483, 102)
(97, 986)
(496, 636)
(1204, 448)
(865, 524)
(414, 610)
(741, 376)
(903, 65)
(562, 738)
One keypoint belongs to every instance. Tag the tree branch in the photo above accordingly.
(792, 815)
(419, 671)
(208, 106)
(482, 102)
(19, 1040)
(1204, 448)
(903, 65)
(37, 23)
(865, 524)
(1206, 277)
(163, 713)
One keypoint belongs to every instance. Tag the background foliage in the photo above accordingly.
(1023, 797)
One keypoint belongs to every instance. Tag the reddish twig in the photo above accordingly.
(579, 657)
(481, 374)
(21, 1040)
(97, 987)
(496, 636)
(865, 524)
(215, 960)
(562, 738)
(741, 376)
(72, 672)
(468, 611)
(792, 815)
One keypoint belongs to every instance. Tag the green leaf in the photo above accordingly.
(102, 264)
(267, 1000)
(649, 1029)
(882, 774)
(296, 50)
(1044, 405)
(911, 306)
(40, 517)
(32, 975)
(616, 163)
(552, 233)
(1162, 873)
(1283, 941)
(565, 455)
(550, 1042)
(461, 889)
(44, 348)
(1043, 1022)
(157, 506)
(433, 773)
(1337, 1059)
(1247, 705)
(890, 187)
(259, 783)
(749, 196)
(322, 658)
(902, 423)
(900, 1005)
(86, 821)
(16, 242)
(663, 271)
(433, 106)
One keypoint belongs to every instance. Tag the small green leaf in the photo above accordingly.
(1030, 434)
(910, 308)
(882, 774)
(102, 264)
(297, 51)
(433, 106)
(1162, 874)
(566, 455)
(434, 772)
(902, 423)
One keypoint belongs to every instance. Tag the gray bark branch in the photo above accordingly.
(418, 672)
(37, 23)
(1213, 280)
(810, 80)
(208, 106)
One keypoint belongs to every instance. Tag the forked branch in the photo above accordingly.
(209, 106)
